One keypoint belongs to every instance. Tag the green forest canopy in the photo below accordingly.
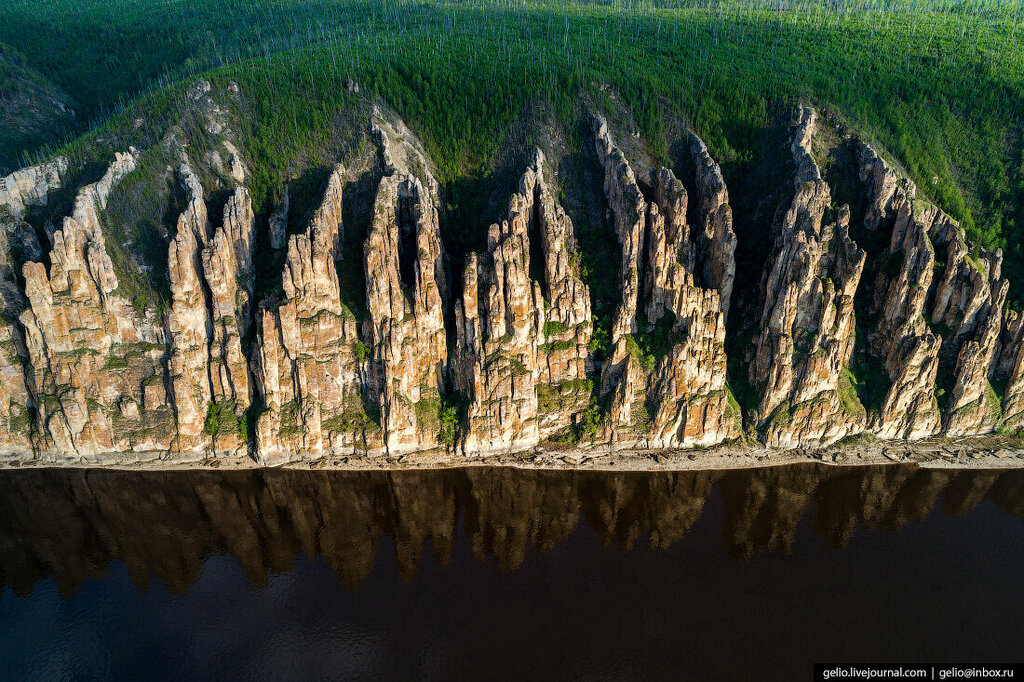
(939, 85)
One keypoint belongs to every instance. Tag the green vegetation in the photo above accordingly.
(291, 423)
(553, 328)
(221, 418)
(441, 415)
(733, 410)
(568, 396)
(939, 84)
(358, 416)
(780, 419)
(556, 346)
(848, 396)
(584, 429)
(136, 217)
(648, 347)
(362, 351)
(600, 341)
(518, 368)
(448, 415)
(866, 374)
(994, 403)
(33, 112)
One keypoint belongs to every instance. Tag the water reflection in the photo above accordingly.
(70, 524)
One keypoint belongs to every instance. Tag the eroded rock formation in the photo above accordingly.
(91, 354)
(523, 325)
(364, 350)
(31, 185)
(807, 325)
(307, 355)
(940, 330)
(405, 297)
(679, 399)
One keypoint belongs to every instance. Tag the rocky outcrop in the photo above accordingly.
(885, 192)
(806, 331)
(19, 243)
(189, 320)
(228, 270)
(939, 315)
(90, 374)
(902, 341)
(405, 292)
(628, 212)
(681, 398)
(15, 395)
(523, 325)
(973, 406)
(211, 281)
(715, 238)
(29, 186)
(97, 365)
(1008, 368)
(308, 356)
(969, 303)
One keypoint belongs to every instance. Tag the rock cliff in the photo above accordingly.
(680, 398)
(523, 325)
(362, 342)
(306, 358)
(939, 317)
(806, 331)
(91, 355)
(406, 293)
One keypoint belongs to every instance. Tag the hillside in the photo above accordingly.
(940, 86)
(33, 112)
(154, 308)
(480, 229)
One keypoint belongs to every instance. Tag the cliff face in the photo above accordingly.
(522, 344)
(306, 364)
(405, 296)
(807, 325)
(508, 359)
(939, 314)
(679, 399)
(94, 363)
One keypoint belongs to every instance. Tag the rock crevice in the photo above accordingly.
(227, 365)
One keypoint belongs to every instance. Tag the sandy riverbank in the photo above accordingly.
(982, 452)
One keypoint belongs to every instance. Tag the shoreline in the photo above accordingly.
(976, 452)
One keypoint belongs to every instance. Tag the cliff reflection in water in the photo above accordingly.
(70, 524)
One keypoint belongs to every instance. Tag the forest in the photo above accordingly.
(939, 85)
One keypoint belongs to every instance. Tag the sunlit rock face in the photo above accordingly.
(329, 322)
(941, 331)
(807, 325)
(523, 325)
(91, 355)
(672, 286)
(307, 364)
(406, 296)
(211, 282)
(31, 185)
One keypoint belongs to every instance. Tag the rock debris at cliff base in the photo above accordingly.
(904, 341)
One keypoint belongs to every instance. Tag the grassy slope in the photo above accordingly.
(33, 112)
(942, 90)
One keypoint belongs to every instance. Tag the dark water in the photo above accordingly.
(503, 574)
